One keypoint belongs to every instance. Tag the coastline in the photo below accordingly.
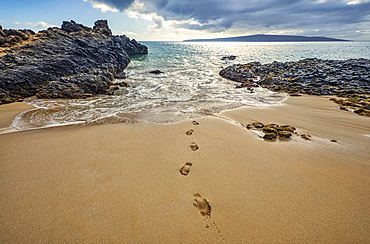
(121, 183)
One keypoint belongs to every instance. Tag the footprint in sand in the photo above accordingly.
(193, 146)
(195, 123)
(203, 205)
(189, 132)
(185, 169)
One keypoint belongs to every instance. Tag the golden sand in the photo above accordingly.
(145, 183)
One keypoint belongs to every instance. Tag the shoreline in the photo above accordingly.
(10, 111)
(19, 107)
(137, 183)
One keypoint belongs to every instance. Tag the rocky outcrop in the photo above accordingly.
(73, 61)
(157, 72)
(308, 76)
(10, 38)
(345, 78)
(231, 57)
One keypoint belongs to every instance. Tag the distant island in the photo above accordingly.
(269, 38)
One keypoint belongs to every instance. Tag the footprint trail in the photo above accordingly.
(203, 205)
(193, 146)
(185, 169)
(189, 132)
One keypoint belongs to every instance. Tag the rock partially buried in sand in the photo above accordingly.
(249, 126)
(269, 130)
(258, 125)
(359, 104)
(286, 128)
(284, 134)
(270, 136)
(307, 137)
(273, 131)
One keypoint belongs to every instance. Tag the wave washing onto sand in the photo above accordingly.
(189, 88)
(138, 105)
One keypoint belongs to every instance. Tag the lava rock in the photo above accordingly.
(270, 136)
(258, 125)
(284, 134)
(268, 130)
(287, 128)
(231, 57)
(273, 131)
(306, 137)
(65, 62)
(101, 26)
(344, 78)
(156, 72)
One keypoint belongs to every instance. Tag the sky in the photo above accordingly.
(176, 20)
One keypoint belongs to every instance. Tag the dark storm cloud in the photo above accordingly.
(221, 14)
(118, 4)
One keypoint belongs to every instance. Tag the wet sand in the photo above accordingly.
(219, 183)
(9, 111)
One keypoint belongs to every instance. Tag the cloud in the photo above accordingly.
(1, 20)
(17, 23)
(130, 33)
(42, 24)
(221, 15)
(110, 5)
(357, 1)
(28, 23)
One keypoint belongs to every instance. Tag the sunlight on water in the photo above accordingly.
(190, 86)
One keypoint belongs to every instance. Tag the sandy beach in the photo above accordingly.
(220, 183)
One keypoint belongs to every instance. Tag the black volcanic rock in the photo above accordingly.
(157, 71)
(349, 79)
(231, 57)
(101, 26)
(309, 76)
(12, 37)
(65, 62)
(72, 26)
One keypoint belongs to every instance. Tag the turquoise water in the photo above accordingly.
(190, 86)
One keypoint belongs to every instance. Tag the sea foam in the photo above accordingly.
(190, 86)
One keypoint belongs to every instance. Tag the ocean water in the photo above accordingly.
(190, 86)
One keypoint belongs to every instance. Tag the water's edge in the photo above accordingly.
(189, 88)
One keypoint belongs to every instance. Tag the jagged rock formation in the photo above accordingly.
(73, 61)
(9, 38)
(309, 76)
(344, 78)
